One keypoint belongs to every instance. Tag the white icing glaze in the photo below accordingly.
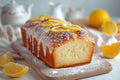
(46, 37)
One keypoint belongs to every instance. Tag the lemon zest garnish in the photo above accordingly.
(52, 22)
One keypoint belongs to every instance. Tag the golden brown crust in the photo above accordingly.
(37, 48)
(23, 32)
(49, 59)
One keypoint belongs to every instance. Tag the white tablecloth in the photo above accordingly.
(100, 39)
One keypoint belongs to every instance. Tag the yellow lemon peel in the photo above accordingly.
(109, 27)
(58, 30)
(97, 17)
(15, 70)
(111, 51)
(5, 58)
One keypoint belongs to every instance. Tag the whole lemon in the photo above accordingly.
(97, 17)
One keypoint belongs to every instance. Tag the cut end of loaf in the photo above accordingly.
(73, 53)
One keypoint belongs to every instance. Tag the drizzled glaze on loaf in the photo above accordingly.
(34, 30)
(57, 43)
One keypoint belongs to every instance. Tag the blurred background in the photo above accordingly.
(42, 7)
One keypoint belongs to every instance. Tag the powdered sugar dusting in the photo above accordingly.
(94, 66)
(31, 24)
(97, 66)
(83, 32)
(46, 37)
(59, 37)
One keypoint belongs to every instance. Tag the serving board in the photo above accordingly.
(96, 67)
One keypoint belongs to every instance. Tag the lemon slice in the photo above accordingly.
(58, 30)
(111, 51)
(52, 23)
(42, 17)
(109, 27)
(35, 19)
(5, 58)
(56, 21)
(49, 24)
(15, 70)
(72, 27)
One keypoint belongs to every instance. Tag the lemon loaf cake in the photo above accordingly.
(57, 43)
